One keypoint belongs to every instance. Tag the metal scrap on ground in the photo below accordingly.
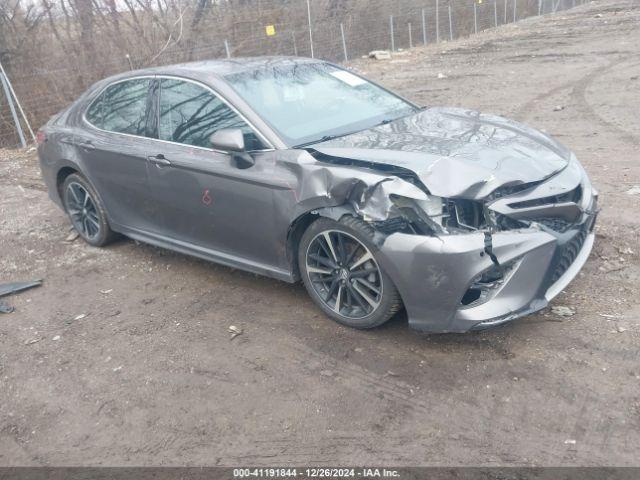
(14, 287)
(234, 331)
(9, 288)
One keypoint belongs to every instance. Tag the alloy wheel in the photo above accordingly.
(82, 210)
(344, 274)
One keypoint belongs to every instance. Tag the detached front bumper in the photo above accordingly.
(433, 274)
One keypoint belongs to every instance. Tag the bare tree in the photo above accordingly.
(54, 49)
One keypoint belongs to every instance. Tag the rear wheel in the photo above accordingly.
(86, 211)
(340, 270)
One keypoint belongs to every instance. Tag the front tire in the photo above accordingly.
(85, 210)
(339, 268)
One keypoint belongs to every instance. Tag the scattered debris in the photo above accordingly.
(441, 75)
(563, 311)
(56, 338)
(234, 331)
(570, 441)
(558, 108)
(635, 190)
(4, 308)
(380, 54)
(327, 373)
(9, 288)
(72, 236)
(117, 369)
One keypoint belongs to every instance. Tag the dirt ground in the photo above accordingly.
(149, 375)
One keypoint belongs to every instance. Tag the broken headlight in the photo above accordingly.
(437, 215)
(424, 215)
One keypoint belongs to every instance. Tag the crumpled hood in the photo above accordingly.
(456, 152)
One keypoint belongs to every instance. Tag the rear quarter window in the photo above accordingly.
(122, 107)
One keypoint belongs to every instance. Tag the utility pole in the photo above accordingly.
(393, 43)
(344, 44)
(437, 23)
(310, 33)
(424, 28)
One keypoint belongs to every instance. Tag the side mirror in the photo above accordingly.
(232, 140)
(228, 139)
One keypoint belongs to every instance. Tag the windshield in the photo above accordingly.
(310, 102)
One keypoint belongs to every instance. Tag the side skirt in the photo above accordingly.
(206, 254)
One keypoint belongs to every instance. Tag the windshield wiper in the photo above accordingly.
(389, 120)
(326, 138)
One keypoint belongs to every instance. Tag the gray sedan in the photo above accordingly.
(302, 170)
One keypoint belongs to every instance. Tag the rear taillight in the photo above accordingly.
(41, 137)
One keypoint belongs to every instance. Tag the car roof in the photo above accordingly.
(207, 70)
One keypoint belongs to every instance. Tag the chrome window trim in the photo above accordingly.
(184, 79)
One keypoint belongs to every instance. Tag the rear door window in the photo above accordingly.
(189, 114)
(122, 107)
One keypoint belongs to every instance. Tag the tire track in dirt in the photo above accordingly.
(317, 450)
(578, 95)
(526, 110)
(14, 434)
(394, 390)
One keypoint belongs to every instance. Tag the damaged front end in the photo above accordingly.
(471, 263)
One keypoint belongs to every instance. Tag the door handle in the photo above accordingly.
(87, 145)
(159, 160)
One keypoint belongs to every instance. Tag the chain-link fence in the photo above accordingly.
(47, 76)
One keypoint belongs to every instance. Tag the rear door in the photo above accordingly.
(203, 198)
(114, 147)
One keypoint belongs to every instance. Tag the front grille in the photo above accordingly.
(556, 224)
(567, 254)
(511, 190)
(574, 195)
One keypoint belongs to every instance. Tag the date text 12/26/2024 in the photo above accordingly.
(315, 473)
